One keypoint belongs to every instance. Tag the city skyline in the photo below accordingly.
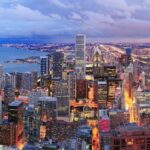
(75, 75)
(117, 20)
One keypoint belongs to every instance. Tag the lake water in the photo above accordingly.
(8, 53)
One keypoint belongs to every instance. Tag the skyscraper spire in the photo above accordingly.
(97, 63)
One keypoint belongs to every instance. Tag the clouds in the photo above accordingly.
(19, 12)
(96, 18)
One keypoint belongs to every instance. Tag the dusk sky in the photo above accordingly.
(98, 19)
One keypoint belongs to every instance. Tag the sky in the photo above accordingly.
(100, 20)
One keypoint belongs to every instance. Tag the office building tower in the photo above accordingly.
(45, 65)
(1, 71)
(118, 117)
(58, 60)
(59, 129)
(122, 59)
(26, 81)
(7, 133)
(112, 86)
(90, 90)
(18, 80)
(142, 98)
(72, 85)
(110, 71)
(136, 70)
(89, 69)
(80, 55)
(15, 116)
(1, 111)
(47, 108)
(34, 96)
(130, 137)
(1, 83)
(62, 95)
(129, 78)
(31, 122)
(97, 63)
(9, 79)
(9, 94)
(128, 56)
(143, 79)
(102, 94)
(81, 89)
(34, 77)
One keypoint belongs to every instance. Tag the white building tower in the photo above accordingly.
(80, 55)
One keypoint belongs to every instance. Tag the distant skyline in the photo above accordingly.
(100, 20)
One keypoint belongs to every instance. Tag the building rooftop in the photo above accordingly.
(47, 98)
(131, 129)
(15, 103)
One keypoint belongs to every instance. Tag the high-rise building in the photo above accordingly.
(45, 65)
(72, 85)
(47, 108)
(8, 94)
(112, 86)
(130, 137)
(110, 71)
(1, 71)
(15, 115)
(81, 89)
(1, 111)
(90, 90)
(89, 69)
(9, 78)
(143, 79)
(62, 95)
(128, 56)
(97, 63)
(102, 94)
(31, 122)
(34, 76)
(142, 98)
(18, 80)
(118, 117)
(129, 78)
(34, 96)
(58, 59)
(26, 81)
(7, 134)
(80, 55)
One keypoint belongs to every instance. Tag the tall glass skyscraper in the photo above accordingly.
(44, 65)
(80, 55)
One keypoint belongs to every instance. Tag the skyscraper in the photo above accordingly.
(102, 94)
(128, 56)
(97, 63)
(143, 79)
(18, 80)
(47, 108)
(9, 79)
(1, 108)
(34, 76)
(45, 65)
(1, 71)
(26, 81)
(72, 85)
(15, 115)
(8, 94)
(80, 55)
(58, 59)
(62, 95)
